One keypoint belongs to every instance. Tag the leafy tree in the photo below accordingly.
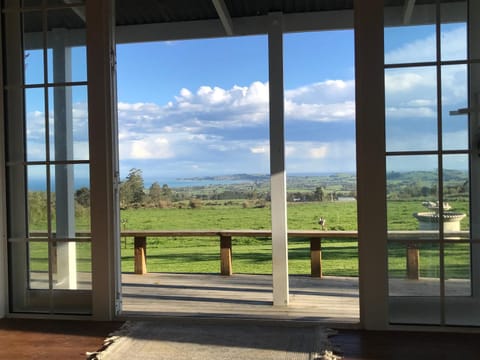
(132, 189)
(82, 196)
(319, 194)
(155, 193)
(166, 192)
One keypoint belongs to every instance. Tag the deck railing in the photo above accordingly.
(225, 239)
(410, 239)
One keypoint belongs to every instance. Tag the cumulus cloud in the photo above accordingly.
(413, 89)
(210, 119)
(327, 101)
(219, 129)
(453, 47)
(310, 156)
(36, 132)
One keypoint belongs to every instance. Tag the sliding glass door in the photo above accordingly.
(432, 87)
(47, 160)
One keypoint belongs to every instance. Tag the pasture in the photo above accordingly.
(253, 255)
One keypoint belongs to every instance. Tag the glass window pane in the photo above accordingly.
(454, 103)
(37, 201)
(70, 199)
(66, 43)
(414, 300)
(33, 47)
(410, 44)
(79, 62)
(38, 265)
(82, 198)
(84, 265)
(35, 124)
(413, 268)
(68, 123)
(453, 30)
(456, 195)
(412, 193)
(457, 269)
(411, 109)
(461, 307)
(66, 266)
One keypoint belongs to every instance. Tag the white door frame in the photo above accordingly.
(103, 157)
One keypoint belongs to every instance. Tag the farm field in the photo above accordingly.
(253, 255)
(202, 209)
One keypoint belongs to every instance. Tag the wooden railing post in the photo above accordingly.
(316, 257)
(413, 259)
(140, 244)
(226, 255)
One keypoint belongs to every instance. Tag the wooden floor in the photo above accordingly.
(46, 339)
(333, 300)
(51, 339)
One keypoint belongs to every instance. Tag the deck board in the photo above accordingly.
(332, 299)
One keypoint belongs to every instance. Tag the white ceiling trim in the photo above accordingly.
(224, 16)
(408, 11)
(80, 11)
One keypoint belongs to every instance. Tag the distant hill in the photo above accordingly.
(427, 176)
(232, 177)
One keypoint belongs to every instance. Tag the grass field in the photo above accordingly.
(253, 255)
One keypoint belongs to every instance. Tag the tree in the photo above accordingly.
(132, 189)
(319, 193)
(82, 196)
(166, 192)
(155, 193)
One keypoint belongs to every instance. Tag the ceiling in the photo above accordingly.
(167, 11)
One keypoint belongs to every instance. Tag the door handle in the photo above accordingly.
(469, 110)
(463, 111)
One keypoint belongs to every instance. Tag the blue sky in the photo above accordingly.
(205, 110)
(200, 107)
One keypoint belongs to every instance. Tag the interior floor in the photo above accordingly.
(56, 339)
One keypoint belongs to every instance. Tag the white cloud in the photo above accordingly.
(35, 133)
(453, 47)
(259, 149)
(412, 91)
(410, 112)
(318, 152)
(149, 147)
(327, 101)
(308, 156)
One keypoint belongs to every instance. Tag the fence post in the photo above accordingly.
(140, 244)
(226, 255)
(316, 257)
(413, 258)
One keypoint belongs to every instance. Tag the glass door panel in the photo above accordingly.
(431, 153)
(47, 158)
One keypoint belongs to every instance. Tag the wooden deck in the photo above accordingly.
(331, 299)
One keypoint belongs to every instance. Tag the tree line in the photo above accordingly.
(133, 194)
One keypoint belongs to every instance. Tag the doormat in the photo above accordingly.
(216, 340)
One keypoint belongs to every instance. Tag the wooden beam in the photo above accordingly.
(226, 255)
(140, 245)
(316, 257)
(224, 16)
(413, 261)
(408, 11)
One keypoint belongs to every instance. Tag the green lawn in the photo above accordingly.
(253, 255)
